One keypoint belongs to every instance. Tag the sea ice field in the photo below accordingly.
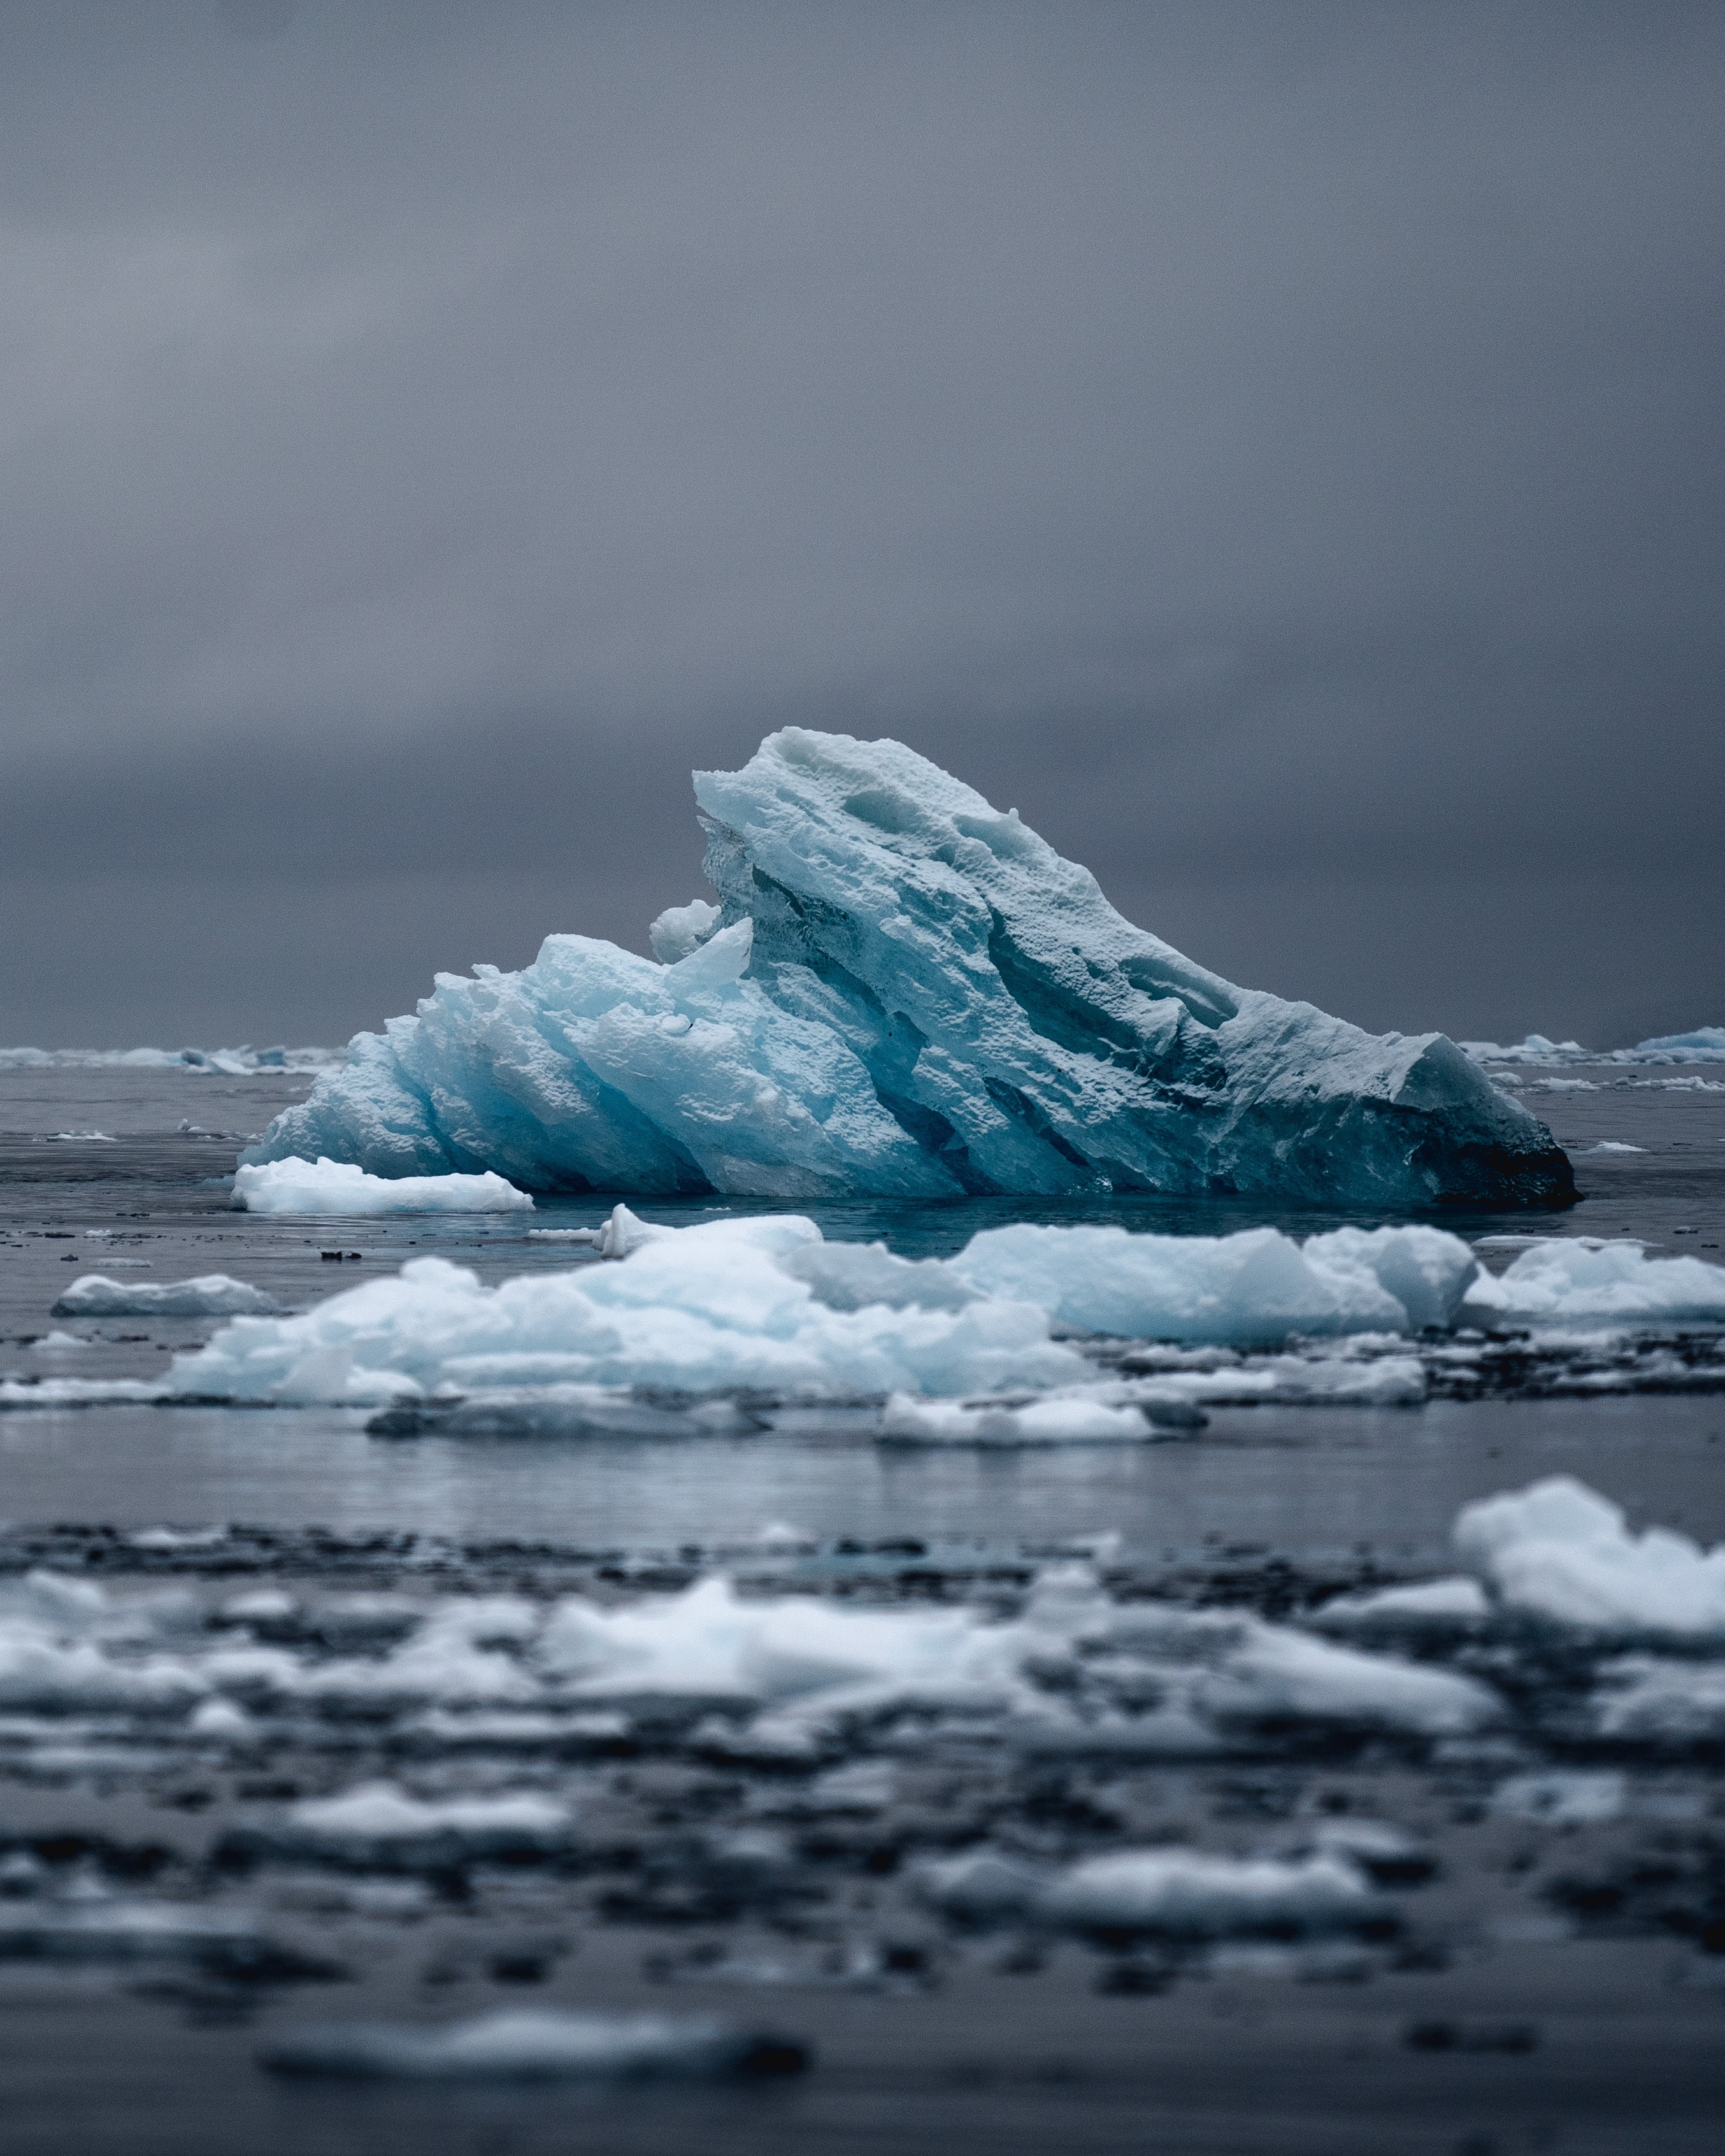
(1101, 1669)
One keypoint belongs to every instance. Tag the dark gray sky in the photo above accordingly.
(1278, 449)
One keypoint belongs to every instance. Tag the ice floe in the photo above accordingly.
(1181, 1893)
(379, 1821)
(211, 1295)
(338, 1187)
(904, 991)
(1561, 1551)
(1578, 1281)
(767, 1303)
(533, 2046)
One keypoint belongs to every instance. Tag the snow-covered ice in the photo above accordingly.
(1579, 1281)
(1559, 1551)
(766, 1302)
(1189, 1893)
(904, 991)
(1182, 1893)
(333, 1187)
(378, 1816)
(211, 1295)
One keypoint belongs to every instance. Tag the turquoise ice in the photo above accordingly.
(905, 992)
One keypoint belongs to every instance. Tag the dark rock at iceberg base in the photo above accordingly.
(904, 993)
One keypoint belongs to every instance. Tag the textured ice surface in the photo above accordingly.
(529, 2045)
(1560, 1551)
(908, 994)
(767, 1303)
(1578, 1280)
(715, 1307)
(211, 1295)
(340, 1188)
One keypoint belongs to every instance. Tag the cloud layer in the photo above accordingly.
(1279, 451)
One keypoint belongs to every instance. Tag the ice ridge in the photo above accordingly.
(905, 992)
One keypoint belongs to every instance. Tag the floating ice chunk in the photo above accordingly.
(1644, 1699)
(1535, 1048)
(454, 1654)
(1255, 1286)
(1192, 1894)
(533, 2046)
(1562, 1798)
(1435, 1605)
(1575, 1280)
(151, 1930)
(1705, 1045)
(708, 1643)
(981, 1887)
(1056, 1421)
(766, 1303)
(211, 1295)
(337, 1186)
(79, 1393)
(907, 993)
(1275, 1674)
(708, 1309)
(42, 1666)
(1560, 1551)
(221, 1720)
(379, 1814)
(1179, 1892)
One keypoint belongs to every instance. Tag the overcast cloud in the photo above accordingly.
(1277, 449)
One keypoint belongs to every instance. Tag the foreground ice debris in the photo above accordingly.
(529, 2045)
(1560, 1551)
(211, 1295)
(1183, 1893)
(904, 991)
(715, 1308)
(767, 1303)
(338, 1187)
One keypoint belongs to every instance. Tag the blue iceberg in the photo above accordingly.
(903, 993)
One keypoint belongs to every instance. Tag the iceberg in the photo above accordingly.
(903, 993)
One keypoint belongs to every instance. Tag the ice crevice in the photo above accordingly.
(902, 992)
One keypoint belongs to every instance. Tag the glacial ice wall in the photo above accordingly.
(905, 992)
